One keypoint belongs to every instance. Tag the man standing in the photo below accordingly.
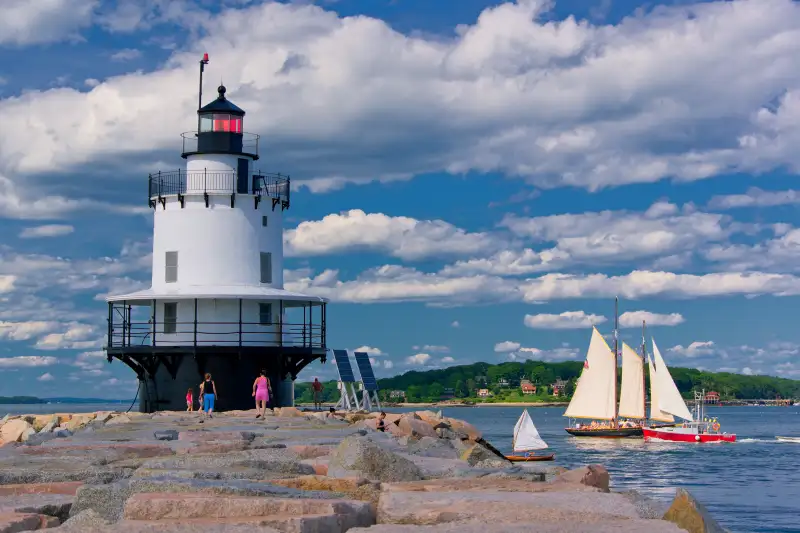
(317, 388)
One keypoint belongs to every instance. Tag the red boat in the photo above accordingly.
(702, 429)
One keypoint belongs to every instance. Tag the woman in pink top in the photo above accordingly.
(261, 393)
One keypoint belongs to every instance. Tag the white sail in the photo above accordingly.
(631, 397)
(595, 393)
(526, 436)
(669, 398)
(655, 412)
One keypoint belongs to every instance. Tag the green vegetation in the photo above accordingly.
(4, 400)
(463, 382)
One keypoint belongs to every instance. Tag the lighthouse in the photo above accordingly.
(216, 303)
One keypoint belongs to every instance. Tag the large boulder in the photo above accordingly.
(13, 430)
(415, 427)
(477, 453)
(361, 456)
(42, 421)
(433, 447)
(591, 476)
(464, 429)
(689, 514)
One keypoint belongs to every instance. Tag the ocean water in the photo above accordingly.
(751, 486)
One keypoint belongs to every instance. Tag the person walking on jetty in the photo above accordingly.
(381, 425)
(317, 388)
(208, 391)
(261, 394)
(190, 400)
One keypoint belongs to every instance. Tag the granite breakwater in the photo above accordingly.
(300, 472)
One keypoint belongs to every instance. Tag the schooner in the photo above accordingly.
(595, 396)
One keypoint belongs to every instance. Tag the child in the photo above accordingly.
(381, 424)
(190, 400)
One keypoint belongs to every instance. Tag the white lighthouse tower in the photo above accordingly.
(216, 303)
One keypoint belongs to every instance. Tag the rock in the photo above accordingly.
(62, 433)
(497, 506)
(289, 412)
(416, 427)
(84, 520)
(167, 434)
(108, 500)
(119, 419)
(466, 430)
(78, 421)
(42, 421)
(364, 457)
(433, 447)
(104, 416)
(13, 430)
(690, 515)
(26, 434)
(50, 426)
(491, 464)
(607, 526)
(591, 476)
(281, 512)
(13, 522)
(477, 453)
(39, 438)
(647, 508)
(311, 452)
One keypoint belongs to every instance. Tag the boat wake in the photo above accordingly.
(757, 440)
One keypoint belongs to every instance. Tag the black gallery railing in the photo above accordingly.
(124, 331)
(184, 182)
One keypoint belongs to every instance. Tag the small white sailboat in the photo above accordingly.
(527, 439)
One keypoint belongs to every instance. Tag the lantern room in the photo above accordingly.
(220, 129)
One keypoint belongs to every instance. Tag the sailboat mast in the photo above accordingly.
(616, 357)
(644, 358)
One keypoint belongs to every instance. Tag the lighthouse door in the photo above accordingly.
(241, 176)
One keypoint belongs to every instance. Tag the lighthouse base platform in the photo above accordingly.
(167, 373)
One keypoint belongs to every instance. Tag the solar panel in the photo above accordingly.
(365, 369)
(343, 365)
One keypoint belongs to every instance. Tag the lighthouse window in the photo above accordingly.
(206, 124)
(222, 123)
(171, 267)
(266, 267)
(170, 317)
(265, 314)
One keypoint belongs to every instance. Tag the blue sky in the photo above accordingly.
(475, 181)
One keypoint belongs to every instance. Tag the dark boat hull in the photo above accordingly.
(619, 433)
(529, 458)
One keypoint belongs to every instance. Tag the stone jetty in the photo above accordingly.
(300, 472)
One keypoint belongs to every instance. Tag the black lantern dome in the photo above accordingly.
(220, 128)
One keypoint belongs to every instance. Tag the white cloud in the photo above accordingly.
(695, 349)
(49, 230)
(506, 346)
(126, 54)
(418, 359)
(432, 348)
(392, 283)
(7, 283)
(21, 331)
(565, 320)
(77, 336)
(403, 237)
(455, 324)
(780, 253)
(369, 350)
(387, 364)
(747, 371)
(558, 103)
(27, 361)
(755, 197)
(43, 21)
(564, 353)
(634, 319)
(45, 377)
(448, 360)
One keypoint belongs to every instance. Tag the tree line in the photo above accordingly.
(464, 382)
